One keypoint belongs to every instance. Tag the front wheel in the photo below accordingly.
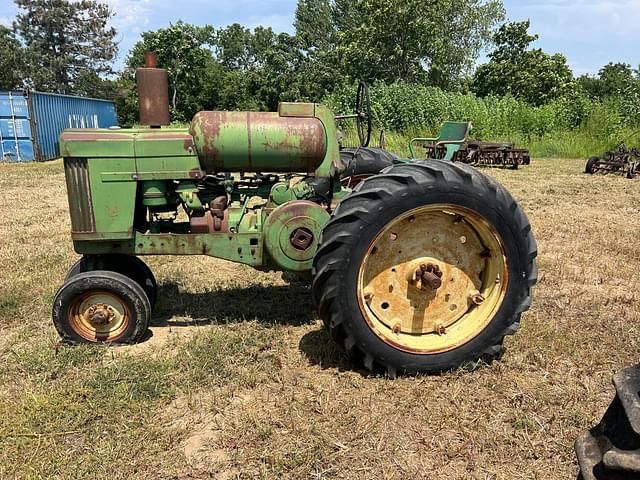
(101, 307)
(425, 268)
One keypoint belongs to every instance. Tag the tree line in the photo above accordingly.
(71, 47)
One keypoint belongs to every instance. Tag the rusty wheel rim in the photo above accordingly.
(99, 316)
(433, 279)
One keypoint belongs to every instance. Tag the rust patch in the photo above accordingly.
(188, 144)
(153, 95)
(196, 173)
(216, 220)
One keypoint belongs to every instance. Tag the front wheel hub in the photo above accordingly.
(99, 316)
(428, 277)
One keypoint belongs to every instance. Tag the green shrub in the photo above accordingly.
(572, 126)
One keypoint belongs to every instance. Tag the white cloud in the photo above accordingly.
(590, 33)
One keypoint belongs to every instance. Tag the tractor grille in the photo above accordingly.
(79, 192)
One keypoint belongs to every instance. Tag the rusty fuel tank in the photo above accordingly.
(153, 93)
(258, 142)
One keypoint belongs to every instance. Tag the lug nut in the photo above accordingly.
(477, 299)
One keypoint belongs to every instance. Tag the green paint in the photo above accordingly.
(138, 177)
(280, 226)
(282, 193)
(245, 248)
(113, 202)
(188, 193)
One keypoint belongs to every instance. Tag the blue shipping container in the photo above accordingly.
(15, 128)
(17, 151)
(13, 104)
(53, 113)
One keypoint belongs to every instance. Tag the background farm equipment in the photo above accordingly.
(492, 154)
(423, 268)
(622, 161)
(452, 145)
(611, 450)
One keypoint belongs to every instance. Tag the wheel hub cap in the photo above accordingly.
(99, 316)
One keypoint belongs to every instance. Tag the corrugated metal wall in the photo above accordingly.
(30, 124)
(53, 113)
(15, 128)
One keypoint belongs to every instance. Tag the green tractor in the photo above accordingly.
(416, 266)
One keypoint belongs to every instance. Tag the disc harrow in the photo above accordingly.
(488, 154)
(621, 161)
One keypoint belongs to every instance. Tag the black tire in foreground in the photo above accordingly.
(127, 265)
(433, 218)
(611, 450)
(591, 163)
(101, 307)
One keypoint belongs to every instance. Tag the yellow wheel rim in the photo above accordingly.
(99, 317)
(397, 282)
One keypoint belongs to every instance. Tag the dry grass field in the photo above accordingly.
(239, 379)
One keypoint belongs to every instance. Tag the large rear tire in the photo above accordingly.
(611, 449)
(425, 268)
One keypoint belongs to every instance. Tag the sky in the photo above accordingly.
(590, 33)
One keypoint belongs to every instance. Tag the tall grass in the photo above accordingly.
(574, 127)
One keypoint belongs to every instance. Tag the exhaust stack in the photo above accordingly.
(153, 93)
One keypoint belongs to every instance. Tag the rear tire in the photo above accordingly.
(364, 162)
(101, 307)
(347, 242)
(611, 449)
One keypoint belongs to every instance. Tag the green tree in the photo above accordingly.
(263, 68)
(614, 79)
(317, 23)
(412, 40)
(517, 69)
(11, 60)
(65, 41)
(181, 49)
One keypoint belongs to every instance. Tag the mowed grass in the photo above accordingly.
(239, 379)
